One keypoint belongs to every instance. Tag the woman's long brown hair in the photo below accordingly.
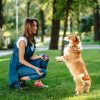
(28, 33)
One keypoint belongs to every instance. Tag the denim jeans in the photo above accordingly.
(33, 75)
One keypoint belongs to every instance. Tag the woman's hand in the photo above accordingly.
(38, 71)
(45, 57)
(41, 57)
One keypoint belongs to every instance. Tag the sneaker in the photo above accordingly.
(40, 84)
(22, 83)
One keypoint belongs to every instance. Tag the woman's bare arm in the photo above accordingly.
(35, 57)
(21, 57)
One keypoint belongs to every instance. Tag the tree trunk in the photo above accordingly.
(78, 15)
(1, 14)
(1, 23)
(55, 30)
(68, 7)
(65, 29)
(28, 9)
(42, 25)
(96, 22)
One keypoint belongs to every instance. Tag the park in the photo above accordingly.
(57, 19)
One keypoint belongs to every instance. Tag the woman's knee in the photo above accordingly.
(43, 64)
(35, 62)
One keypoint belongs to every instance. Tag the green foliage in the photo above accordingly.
(86, 23)
(61, 84)
(76, 6)
(61, 9)
(79, 9)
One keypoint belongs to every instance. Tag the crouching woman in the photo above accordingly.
(24, 64)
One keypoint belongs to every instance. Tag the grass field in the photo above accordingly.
(61, 85)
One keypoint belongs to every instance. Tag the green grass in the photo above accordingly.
(61, 85)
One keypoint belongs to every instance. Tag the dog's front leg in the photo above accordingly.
(59, 58)
(66, 59)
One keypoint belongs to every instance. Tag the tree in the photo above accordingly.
(67, 9)
(96, 13)
(86, 23)
(1, 21)
(55, 29)
(42, 24)
(41, 5)
(62, 12)
(28, 9)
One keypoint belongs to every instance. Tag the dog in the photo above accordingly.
(73, 59)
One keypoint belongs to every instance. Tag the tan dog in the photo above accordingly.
(73, 59)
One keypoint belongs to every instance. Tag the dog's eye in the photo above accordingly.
(66, 42)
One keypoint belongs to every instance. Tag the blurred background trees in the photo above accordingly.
(2, 2)
(57, 18)
(55, 28)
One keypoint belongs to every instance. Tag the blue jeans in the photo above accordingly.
(33, 75)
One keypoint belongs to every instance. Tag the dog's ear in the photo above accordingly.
(75, 39)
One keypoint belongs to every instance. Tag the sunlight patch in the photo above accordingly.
(5, 59)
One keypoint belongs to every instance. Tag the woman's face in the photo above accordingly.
(35, 27)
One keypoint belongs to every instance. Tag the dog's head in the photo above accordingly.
(72, 39)
(73, 44)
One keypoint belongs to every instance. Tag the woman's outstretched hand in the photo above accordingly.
(38, 71)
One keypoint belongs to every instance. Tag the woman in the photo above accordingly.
(24, 65)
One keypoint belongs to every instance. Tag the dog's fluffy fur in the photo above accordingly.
(73, 59)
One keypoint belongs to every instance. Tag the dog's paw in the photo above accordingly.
(59, 59)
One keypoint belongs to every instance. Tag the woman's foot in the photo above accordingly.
(39, 84)
(22, 83)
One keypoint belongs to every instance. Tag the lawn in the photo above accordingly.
(61, 85)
